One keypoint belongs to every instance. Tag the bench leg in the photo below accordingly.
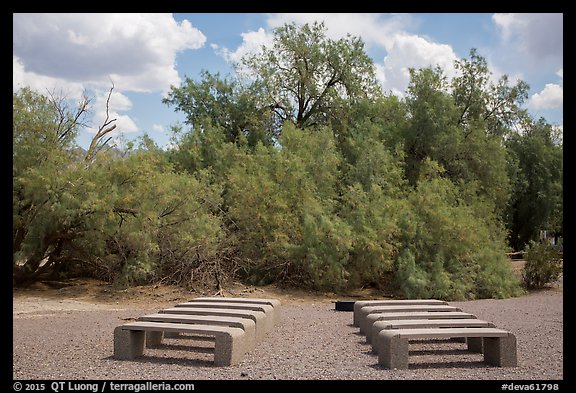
(260, 321)
(154, 339)
(128, 344)
(474, 344)
(393, 352)
(229, 350)
(500, 351)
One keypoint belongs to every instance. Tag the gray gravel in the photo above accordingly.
(313, 341)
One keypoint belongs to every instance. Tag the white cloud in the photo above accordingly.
(41, 83)
(551, 97)
(387, 32)
(137, 50)
(78, 52)
(412, 51)
(538, 35)
(374, 29)
(252, 42)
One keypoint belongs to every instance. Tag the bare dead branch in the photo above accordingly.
(67, 120)
(98, 143)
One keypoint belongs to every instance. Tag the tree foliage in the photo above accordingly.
(225, 104)
(121, 219)
(536, 203)
(298, 170)
(543, 265)
(306, 76)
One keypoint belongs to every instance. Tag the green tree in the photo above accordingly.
(452, 246)
(282, 204)
(305, 76)
(494, 107)
(430, 131)
(124, 219)
(462, 125)
(537, 199)
(223, 103)
(44, 129)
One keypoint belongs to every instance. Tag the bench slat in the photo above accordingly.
(182, 328)
(423, 315)
(270, 307)
(391, 302)
(258, 317)
(378, 326)
(197, 319)
(365, 311)
(264, 308)
(240, 306)
(270, 302)
(445, 332)
(245, 324)
(408, 308)
(432, 315)
(427, 323)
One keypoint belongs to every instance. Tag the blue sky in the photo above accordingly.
(145, 54)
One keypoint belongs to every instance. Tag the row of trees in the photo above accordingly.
(297, 170)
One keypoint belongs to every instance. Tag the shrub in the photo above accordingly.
(543, 265)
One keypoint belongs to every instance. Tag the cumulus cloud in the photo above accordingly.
(412, 51)
(373, 28)
(538, 35)
(387, 32)
(41, 83)
(137, 50)
(252, 42)
(550, 97)
(77, 52)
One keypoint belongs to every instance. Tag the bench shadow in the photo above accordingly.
(439, 365)
(191, 338)
(435, 341)
(184, 347)
(440, 351)
(171, 360)
(435, 351)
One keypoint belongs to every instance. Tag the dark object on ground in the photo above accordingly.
(345, 305)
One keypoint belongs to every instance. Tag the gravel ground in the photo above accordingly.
(313, 341)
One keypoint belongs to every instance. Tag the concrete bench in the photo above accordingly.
(499, 345)
(230, 342)
(258, 317)
(474, 344)
(392, 316)
(265, 308)
(274, 303)
(365, 311)
(391, 302)
(154, 339)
